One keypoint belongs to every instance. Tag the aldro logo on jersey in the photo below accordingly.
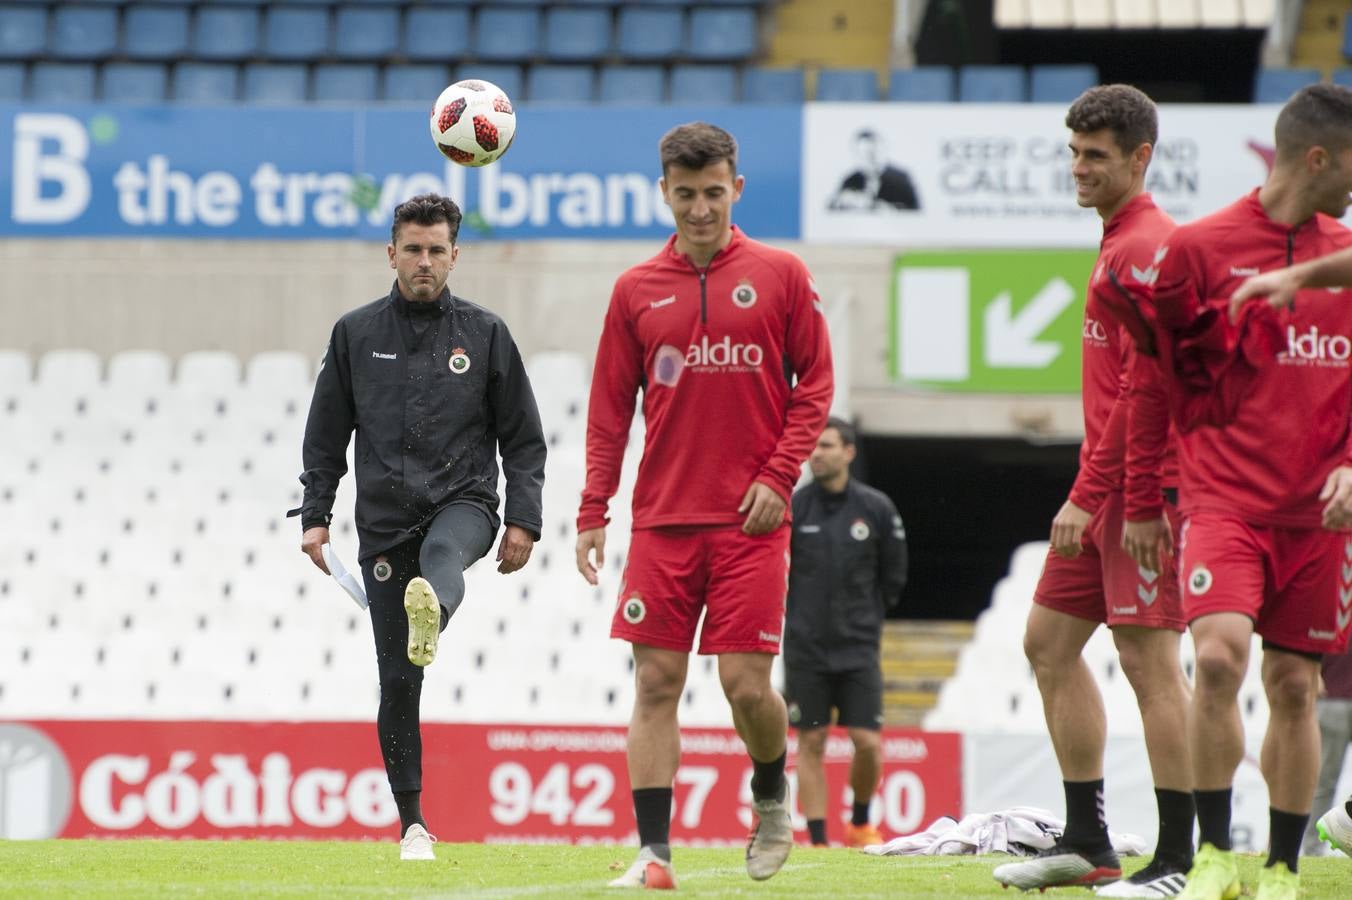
(1314, 348)
(707, 356)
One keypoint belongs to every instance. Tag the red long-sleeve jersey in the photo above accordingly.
(1288, 427)
(735, 367)
(1130, 239)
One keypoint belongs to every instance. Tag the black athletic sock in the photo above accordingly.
(1213, 817)
(767, 778)
(652, 809)
(859, 815)
(1176, 817)
(1284, 836)
(409, 804)
(1086, 827)
(816, 829)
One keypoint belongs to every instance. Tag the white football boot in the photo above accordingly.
(424, 621)
(1335, 827)
(648, 871)
(416, 843)
(771, 839)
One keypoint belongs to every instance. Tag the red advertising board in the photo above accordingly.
(485, 783)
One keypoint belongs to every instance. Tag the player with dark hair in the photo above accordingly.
(1088, 578)
(1262, 409)
(435, 389)
(727, 340)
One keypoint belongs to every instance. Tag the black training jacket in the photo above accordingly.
(435, 391)
(848, 567)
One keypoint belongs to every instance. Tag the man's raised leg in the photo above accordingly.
(762, 722)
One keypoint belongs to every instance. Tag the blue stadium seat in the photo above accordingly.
(507, 77)
(703, 84)
(82, 32)
(1277, 85)
(11, 81)
(1343, 77)
(348, 82)
(54, 82)
(633, 84)
(133, 83)
(992, 84)
(760, 85)
(1347, 36)
(281, 83)
(296, 32)
(365, 32)
(560, 84)
(847, 85)
(722, 33)
(418, 83)
(1060, 83)
(203, 82)
(24, 32)
(225, 32)
(651, 33)
(506, 34)
(923, 84)
(436, 34)
(155, 32)
(581, 35)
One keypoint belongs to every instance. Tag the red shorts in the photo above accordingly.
(738, 581)
(1104, 584)
(1294, 583)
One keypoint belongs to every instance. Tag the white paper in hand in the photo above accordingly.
(345, 580)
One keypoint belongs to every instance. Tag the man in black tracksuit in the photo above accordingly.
(848, 567)
(435, 388)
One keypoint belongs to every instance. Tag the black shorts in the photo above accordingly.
(856, 695)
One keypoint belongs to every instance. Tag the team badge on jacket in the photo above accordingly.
(859, 530)
(382, 570)
(744, 295)
(459, 361)
(634, 611)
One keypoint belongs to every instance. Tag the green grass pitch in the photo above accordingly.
(145, 868)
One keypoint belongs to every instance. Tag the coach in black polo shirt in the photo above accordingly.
(848, 568)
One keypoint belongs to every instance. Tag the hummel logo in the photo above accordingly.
(1124, 610)
(384, 355)
(809, 529)
(765, 636)
(665, 301)
(1318, 635)
(1243, 271)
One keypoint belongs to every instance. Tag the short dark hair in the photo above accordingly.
(426, 209)
(1125, 110)
(1319, 115)
(695, 145)
(848, 436)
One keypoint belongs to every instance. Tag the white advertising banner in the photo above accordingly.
(978, 175)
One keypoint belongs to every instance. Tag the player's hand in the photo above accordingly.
(1149, 543)
(312, 545)
(1338, 492)
(1278, 286)
(514, 549)
(587, 541)
(1068, 530)
(764, 509)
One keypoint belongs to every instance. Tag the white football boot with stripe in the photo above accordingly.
(648, 871)
(1335, 828)
(1155, 880)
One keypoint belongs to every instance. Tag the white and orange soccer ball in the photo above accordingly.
(473, 122)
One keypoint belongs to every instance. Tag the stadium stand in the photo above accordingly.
(766, 85)
(559, 83)
(1060, 83)
(650, 34)
(155, 32)
(297, 33)
(435, 34)
(225, 33)
(199, 82)
(693, 83)
(62, 82)
(632, 84)
(577, 35)
(133, 82)
(856, 85)
(24, 34)
(11, 81)
(1277, 85)
(346, 82)
(275, 83)
(923, 84)
(366, 32)
(992, 84)
(83, 32)
(415, 83)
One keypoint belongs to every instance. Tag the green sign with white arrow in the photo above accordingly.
(995, 321)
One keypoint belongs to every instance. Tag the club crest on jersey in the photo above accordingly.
(634, 610)
(1199, 582)
(859, 530)
(795, 714)
(382, 570)
(459, 361)
(744, 295)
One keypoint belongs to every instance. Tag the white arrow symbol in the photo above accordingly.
(1146, 575)
(1345, 597)
(1347, 573)
(1344, 619)
(1011, 340)
(1147, 597)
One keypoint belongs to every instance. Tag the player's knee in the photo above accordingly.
(1219, 667)
(398, 683)
(1290, 688)
(1047, 659)
(812, 744)
(656, 686)
(745, 693)
(1148, 672)
(866, 742)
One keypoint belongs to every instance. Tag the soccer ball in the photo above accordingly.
(473, 123)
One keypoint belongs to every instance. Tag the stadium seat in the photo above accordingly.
(1347, 36)
(23, 31)
(415, 83)
(1277, 85)
(1343, 77)
(559, 84)
(1060, 83)
(83, 32)
(225, 33)
(296, 32)
(847, 85)
(922, 84)
(992, 84)
(198, 82)
(504, 35)
(703, 84)
(654, 34)
(580, 35)
(346, 82)
(155, 32)
(366, 32)
(435, 34)
(633, 84)
(69, 370)
(54, 82)
(138, 369)
(507, 77)
(11, 81)
(762, 85)
(133, 83)
(722, 33)
(275, 83)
